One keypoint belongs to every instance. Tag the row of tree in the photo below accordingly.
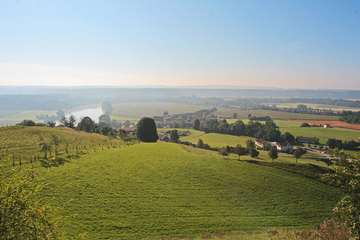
(268, 131)
(346, 145)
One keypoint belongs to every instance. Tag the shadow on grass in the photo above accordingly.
(54, 162)
(307, 170)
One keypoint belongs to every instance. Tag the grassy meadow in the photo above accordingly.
(160, 190)
(215, 140)
(138, 110)
(315, 106)
(8, 118)
(322, 133)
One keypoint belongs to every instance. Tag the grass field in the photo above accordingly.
(314, 106)
(322, 133)
(150, 109)
(24, 141)
(215, 140)
(243, 114)
(160, 190)
(14, 117)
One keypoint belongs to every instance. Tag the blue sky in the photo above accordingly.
(289, 44)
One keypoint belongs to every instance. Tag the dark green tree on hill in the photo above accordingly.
(86, 124)
(200, 144)
(197, 124)
(146, 130)
(174, 136)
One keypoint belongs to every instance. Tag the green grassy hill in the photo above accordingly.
(24, 141)
(160, 190)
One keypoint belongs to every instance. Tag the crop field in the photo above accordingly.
(322, 133)
(314, 106)
(160, 190)
(150, 109)
(14, 117)
(243, 114)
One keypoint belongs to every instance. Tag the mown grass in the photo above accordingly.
(160, 190)
(215, 140)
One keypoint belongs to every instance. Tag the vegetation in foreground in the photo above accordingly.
(158, 190)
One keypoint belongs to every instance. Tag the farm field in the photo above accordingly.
(293, 127)
(215, 140)
(314, 106)
(149, 109)
(243, 114)
(338, 124)
(14, 117)
(160, 190)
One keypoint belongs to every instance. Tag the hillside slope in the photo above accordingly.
(160, 190)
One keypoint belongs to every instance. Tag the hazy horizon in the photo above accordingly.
(247, 44)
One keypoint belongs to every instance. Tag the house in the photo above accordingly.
(261, 142)
(284, 146)
(309, 140)
(327, 126)
(224, 117)
(129, 130)
(163, 137)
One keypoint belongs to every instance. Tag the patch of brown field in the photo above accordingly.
(332, 123)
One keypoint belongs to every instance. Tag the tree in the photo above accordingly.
(253, 152)
(45, 146)
(56, 141)
(127, 123)
(146, 130)
(197, 124)
(105, 118)
(174, 136)
(86, 124)
(239, 150)
(249, 116)
(298, 153)
(249, 143)
(68, 122)
(273, 153)
(26, 122)
(200, 144)
(60, 114)
(234, 115)
(288, 137)
(346, 175)
(304, 125)
(223, 152)
(107, 108)
(21, 216)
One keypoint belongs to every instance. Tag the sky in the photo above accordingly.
(287, 44)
